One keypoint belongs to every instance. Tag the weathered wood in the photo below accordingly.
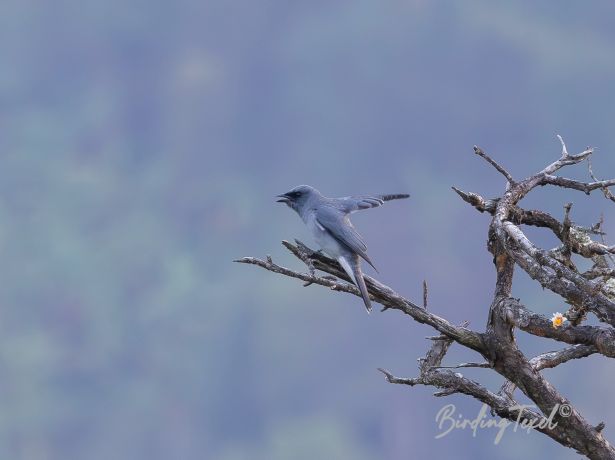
(591, 292)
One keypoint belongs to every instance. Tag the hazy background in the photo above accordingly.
(141, 146)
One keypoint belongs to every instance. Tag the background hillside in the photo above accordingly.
(141, 146)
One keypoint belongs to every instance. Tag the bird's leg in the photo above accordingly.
(310, 265)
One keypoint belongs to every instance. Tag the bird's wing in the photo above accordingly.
(336, 222)
(356, 203)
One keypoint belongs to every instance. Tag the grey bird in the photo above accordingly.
(328, 220)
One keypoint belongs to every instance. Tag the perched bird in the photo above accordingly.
(328, 220)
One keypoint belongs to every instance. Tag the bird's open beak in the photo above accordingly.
(283, 198)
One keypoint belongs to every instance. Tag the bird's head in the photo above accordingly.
(298, 197)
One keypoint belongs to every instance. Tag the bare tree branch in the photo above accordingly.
(492, 162)
(379, 292)
(607, 193)
(555, 358)
(586, 187)
(590, 292)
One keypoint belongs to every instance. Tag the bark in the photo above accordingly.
(588, 293)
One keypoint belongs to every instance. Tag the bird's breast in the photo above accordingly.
(323, 238)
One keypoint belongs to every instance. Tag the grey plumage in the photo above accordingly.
(328, 220)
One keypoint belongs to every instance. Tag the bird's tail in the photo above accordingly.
(353, 269)
(394, 196)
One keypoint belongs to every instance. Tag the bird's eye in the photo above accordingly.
(295, 194)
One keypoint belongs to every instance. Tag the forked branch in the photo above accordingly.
(589, 293)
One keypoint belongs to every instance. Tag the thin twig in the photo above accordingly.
(605, 190)
(564, 150)
(458, 366)
(494, 163)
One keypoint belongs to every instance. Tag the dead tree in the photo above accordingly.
(587, 292)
